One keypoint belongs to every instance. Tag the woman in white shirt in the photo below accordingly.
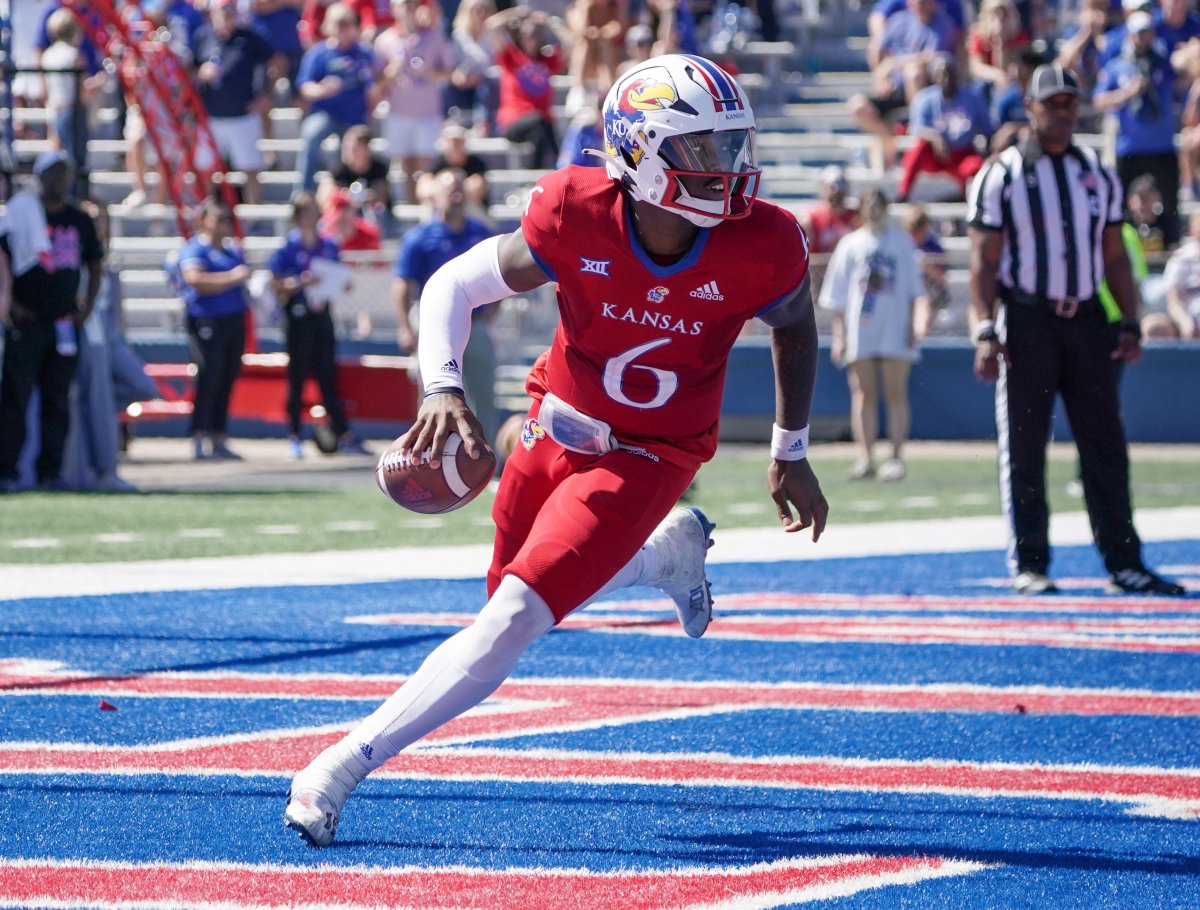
(871, 286)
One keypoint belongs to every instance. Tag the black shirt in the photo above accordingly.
(51, 288)
(345, 176)
(242, 59)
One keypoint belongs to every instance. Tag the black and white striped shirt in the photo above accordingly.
(1052, 211)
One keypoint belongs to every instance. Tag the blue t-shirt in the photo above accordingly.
(242, 59)
(1010, 106)
(294, 258)
(355, 67)
(580, 136)
(202, 254)
(281, 29)
(1140, 129)
(952, 8)
(1171, 36)
(430, 245)
(905, 35)
(959, 119)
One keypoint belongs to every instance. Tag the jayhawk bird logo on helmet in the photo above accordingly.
(679, 115)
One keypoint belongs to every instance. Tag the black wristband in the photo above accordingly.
(446, 390)
(1131, 327)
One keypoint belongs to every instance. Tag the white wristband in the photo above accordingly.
(789, 445)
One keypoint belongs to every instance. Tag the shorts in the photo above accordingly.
(889, 104)
(237, 138)
(415, 137)
(566, 523)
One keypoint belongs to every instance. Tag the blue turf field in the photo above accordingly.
(855, 733)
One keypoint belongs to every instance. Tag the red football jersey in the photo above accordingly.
(640, 345)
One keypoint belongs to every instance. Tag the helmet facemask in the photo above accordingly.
(722, 163)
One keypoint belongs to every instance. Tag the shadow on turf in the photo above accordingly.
(255, 660)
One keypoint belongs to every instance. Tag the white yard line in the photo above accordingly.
(355, 566)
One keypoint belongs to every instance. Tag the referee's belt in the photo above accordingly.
(1066, 308)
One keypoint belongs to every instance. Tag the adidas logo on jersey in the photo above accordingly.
(708, 292)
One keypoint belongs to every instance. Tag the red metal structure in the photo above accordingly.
(153, 78)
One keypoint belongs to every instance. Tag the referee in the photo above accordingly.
(1045, 227)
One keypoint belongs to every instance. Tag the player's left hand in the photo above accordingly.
(793, 484)
(437, 418)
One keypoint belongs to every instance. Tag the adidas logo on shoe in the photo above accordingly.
(709, 291)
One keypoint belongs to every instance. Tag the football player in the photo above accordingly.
(659, 259)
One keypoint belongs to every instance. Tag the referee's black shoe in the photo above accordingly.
(1141, 581)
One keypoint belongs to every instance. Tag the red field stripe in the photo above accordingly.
(282, 755)
(763, 885)
(576, 700)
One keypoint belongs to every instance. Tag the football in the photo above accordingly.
(419, 488)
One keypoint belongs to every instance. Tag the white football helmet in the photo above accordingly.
(682, 116)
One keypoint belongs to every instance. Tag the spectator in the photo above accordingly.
(455, 155)
(950, 123)
(1009, 116)
(29, 49)
(596, 29)
(1181, 280)
(1138, 90)
(40, 334)
(374, 16)
(305, 300)
(639, 47)
(832, 217)
(1189, 119)
(106, 368)
(529, 56)
(872, 285)
(279, 22)
(674, 27)
(1144, 207)
(360, 172)
(1118, 35)
(471, 96)
(1176, 24)
(414, 60)
(1085, 43)
(68, 94)
(899, 67)
(336, 82)
(342, 221)
(930, 260)
(585, 134)
(992, 41)
(214, 273)
(426, 248)
(231, 63)
(158, 32)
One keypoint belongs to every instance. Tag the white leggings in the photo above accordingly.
(468, 667)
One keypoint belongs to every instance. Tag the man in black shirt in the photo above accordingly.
(231, 66)
(361, 172)
(40, 341)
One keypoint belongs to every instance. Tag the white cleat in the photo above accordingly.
(315, 802)
(682, 542)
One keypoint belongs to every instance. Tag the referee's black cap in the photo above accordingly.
(1051, 79)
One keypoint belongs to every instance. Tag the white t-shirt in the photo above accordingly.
(1182, 274)
(872, 281)
(60, 87)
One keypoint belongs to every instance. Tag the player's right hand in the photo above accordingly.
(438, 417)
